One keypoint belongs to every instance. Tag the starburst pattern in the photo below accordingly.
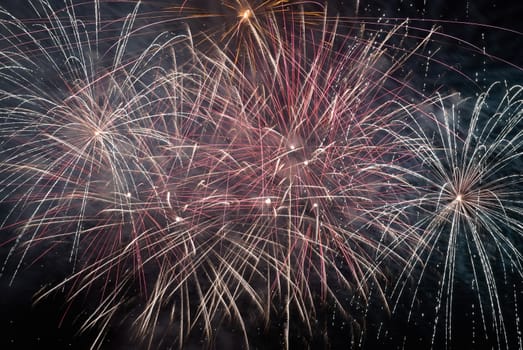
(278, 166)
(469, 204)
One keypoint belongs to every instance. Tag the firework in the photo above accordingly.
(233, 177)
(241, 28)
(288, 193)
(468, 210)
(231, 185)
(76, 117)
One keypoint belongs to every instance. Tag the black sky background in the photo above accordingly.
(25, 325)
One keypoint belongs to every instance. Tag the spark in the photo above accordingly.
(245, 15)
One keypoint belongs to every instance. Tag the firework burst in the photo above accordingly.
(278, 188)
(468, 209)
(71, 158)
(241, 28)
(232, 186)
(230, 178)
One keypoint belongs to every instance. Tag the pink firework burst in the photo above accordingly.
(271, 182)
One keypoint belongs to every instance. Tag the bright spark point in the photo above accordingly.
(268, 201)
(128, 194)
(245, 14)
(178, 219)
(306, 163)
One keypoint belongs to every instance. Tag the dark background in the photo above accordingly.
(467, 25)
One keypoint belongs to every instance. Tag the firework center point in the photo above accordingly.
(245, 14)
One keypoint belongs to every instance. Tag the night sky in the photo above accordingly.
(476, 44)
